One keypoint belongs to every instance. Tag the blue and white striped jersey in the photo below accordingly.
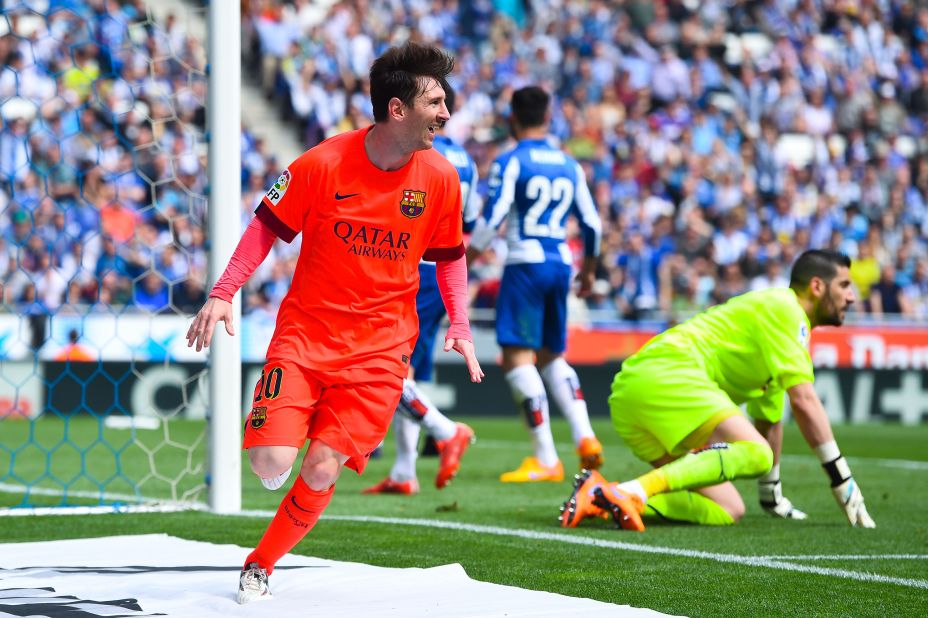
(534, 187)
(467, 171)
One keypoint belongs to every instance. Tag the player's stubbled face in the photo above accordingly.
(428, 114)
(837, 299)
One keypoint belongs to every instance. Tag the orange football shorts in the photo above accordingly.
(292, 404)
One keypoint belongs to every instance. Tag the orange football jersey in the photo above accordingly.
(352, 301)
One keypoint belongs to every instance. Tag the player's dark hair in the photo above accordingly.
(450, 97)
(397, 71)
(821, 263)
(530, 106)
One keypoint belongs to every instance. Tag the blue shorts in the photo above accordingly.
(431, 311)
(531, 310)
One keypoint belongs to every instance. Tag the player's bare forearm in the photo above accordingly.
(201, 331)
(810, 414)
(466, 349)
(586, 276)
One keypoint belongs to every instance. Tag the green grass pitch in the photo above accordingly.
(836, 570)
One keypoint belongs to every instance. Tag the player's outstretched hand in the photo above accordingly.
(466, 349)
(201, 331)
(774, 502)
(849, 498)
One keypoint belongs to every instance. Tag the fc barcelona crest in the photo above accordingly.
(413, 203)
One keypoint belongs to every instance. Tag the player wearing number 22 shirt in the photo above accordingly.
(534, 188)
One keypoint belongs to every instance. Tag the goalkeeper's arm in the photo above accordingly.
(813, 422)
(769, 488)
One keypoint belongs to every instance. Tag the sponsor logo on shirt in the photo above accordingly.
(280, 187)
(804, 335)
(373, 242)
(413, 203)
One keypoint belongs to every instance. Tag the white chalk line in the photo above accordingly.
(905, 464)
(782, 563)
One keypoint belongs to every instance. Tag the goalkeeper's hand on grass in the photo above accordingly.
(849, 498)
(772, 500)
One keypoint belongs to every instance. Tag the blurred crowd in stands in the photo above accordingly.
(721, 138)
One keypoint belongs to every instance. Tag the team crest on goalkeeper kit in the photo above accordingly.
(413, 203)
(258, 417)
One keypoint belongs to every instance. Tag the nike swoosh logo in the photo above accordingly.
(339, 196)
(294, 502)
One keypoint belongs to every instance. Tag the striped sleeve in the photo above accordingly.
(590, 223)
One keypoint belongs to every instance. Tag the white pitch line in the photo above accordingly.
(850, 557)
(769, 562)
(51, 491)
(904, 464)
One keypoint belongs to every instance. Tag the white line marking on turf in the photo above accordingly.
(770, 562)
(905, 464)
(850, 557)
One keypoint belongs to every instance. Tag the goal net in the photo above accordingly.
(104, 256)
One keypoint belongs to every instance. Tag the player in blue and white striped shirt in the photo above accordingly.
(534, 188)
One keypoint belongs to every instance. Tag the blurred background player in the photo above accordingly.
(371, 203)
(682, 391)
(533, 188)
(416, 409)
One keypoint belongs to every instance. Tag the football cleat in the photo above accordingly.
(580, 504)
(591, 454)
(450, 452)
(252, 584)
(389, 486)
(626, 509)
(531, 471)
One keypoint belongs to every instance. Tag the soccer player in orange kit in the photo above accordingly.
(370, 203)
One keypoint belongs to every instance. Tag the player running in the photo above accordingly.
(416, 409)
(370, 204)
(675, 404)
(533, 188)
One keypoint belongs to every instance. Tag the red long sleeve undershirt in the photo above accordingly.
(452, 284)
(258, 239)
(254, 246)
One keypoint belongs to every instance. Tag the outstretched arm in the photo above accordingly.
(452, 283)
(254, 246)
(816, 429)
(769, 488)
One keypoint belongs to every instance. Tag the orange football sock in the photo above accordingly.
(296, 516)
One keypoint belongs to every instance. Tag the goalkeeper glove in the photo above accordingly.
(772, 500)
(851, 500)
(843, 486)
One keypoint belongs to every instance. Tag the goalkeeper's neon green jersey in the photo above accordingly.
(755, 347)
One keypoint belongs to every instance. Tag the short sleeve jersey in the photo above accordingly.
(351, 304)
(755, 347)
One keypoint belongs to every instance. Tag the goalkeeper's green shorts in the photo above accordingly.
(664, 403)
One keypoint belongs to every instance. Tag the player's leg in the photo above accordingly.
(564, 387)
(519, 319)
(345, 424)
(560, 378)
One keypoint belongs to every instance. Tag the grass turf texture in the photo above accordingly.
(896, 498)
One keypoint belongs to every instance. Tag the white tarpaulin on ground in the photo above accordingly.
(156, 574)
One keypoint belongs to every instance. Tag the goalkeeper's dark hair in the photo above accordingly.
(397, 73)
(530, 106)
(821, 263)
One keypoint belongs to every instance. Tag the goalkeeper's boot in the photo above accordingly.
(252, 584)
(450, 452)
(389, 486)
(532, 471)
(580, 504)
(625, 508)
(591, 454)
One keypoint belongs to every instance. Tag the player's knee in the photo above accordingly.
(320, 474)
(269, 462)
(735, 510)
(759, 460)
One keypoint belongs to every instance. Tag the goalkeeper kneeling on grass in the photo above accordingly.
(675, 403)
